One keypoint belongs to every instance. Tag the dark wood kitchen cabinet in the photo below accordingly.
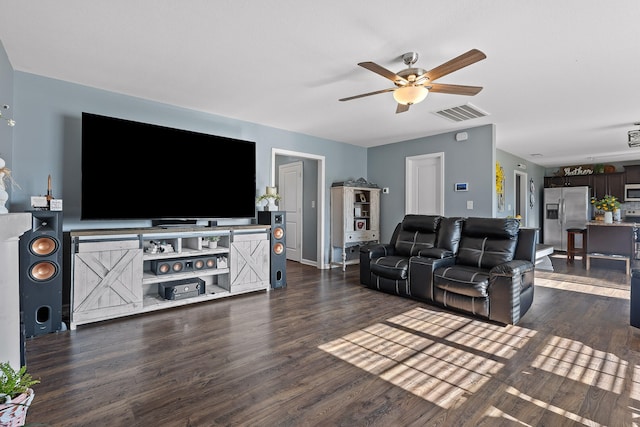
(608, 184)
(567, 181)
(632, 173)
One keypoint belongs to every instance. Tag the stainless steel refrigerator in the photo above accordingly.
(564, 207)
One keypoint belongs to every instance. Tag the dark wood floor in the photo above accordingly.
(326, 351)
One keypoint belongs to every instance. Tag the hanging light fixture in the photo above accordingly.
(410, 94)
(634, 137)
(10, 122)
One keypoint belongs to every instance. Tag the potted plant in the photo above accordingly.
(271, 196)
(212, 241)
(16, 394)
(608, 205)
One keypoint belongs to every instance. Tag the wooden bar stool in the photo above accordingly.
(572, 251)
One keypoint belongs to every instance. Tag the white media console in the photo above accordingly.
(117, 272)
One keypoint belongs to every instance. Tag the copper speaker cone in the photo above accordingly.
(177, 266)
(43, 246)
(211, 263)
(198, 264)
(278, 248)
(164, 268)
(42, 271)
(278, 232)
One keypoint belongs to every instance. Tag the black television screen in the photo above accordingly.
(133, 170)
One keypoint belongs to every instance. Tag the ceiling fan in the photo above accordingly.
(413, 84)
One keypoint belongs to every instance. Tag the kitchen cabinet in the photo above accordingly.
(567, 181)
(632, 173)
(608, 184)
(600, 184)
(578, 180)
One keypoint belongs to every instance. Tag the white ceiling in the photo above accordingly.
(561, 78)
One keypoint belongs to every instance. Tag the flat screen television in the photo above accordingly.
(136, 171)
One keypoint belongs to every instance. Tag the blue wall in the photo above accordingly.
(471, 161)
(536, 172)
(47, 141)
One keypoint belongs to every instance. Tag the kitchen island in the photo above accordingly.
(615, 241)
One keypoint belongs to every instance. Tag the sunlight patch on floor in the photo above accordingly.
(579, 362)
(552, 408)
(605, 289)
(438, 356)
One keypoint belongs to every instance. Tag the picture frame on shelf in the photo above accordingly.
(360, 224)
(357, 211)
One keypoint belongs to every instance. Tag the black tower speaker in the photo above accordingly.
(41, 274)
(278, 256)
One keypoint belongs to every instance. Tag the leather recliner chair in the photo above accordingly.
(493, 275)
(385, 267)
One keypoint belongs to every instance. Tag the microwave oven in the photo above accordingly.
(632, 193)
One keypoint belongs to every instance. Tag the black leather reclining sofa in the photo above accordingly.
(480, 266)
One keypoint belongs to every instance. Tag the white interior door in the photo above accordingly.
(424, 177)
(290, 188)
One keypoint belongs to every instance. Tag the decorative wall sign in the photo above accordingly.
(578, 170)
(532, 191)
(500, 184)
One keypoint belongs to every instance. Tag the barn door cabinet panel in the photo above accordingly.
(106, 277)
(249, 263)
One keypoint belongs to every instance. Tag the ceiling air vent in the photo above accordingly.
(461, 113)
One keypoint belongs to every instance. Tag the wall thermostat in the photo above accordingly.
(462, 186)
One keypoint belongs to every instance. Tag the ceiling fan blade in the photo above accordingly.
(368, 94)
(401, 108)
(471, 57)
(454, 89)
(372, 66)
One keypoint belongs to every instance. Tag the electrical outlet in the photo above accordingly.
(469, 204)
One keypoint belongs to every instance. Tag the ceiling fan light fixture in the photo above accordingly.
(409, 95)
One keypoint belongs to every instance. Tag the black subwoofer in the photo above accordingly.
(41, 274)
(278, 255)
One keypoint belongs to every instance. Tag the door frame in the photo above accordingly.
(320, 204)
(409, 178)
(523, 202)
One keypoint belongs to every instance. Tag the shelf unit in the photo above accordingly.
(189, 249)
(117, 273)
(355, 220)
